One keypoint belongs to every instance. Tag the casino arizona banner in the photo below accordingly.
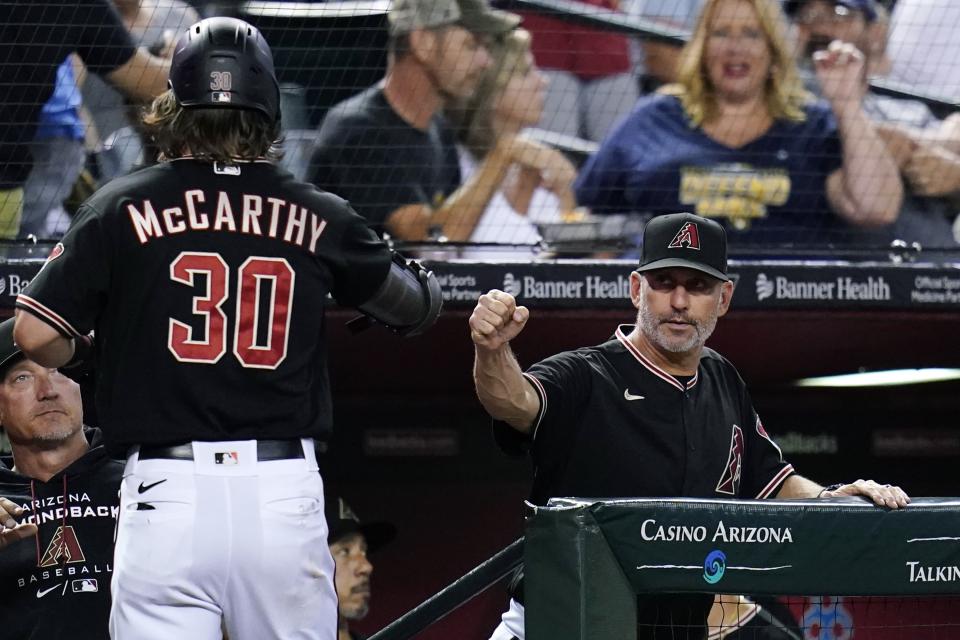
(586, 561)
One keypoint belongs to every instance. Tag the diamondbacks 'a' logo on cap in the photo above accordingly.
(687, 238)
(64, 548)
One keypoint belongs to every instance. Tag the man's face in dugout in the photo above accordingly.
(678, 308)
(39, 406)
(352, 576)
(457, 59)
(818, 23)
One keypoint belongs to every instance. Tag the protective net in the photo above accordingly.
(811, 127)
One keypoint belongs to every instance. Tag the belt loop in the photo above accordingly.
(309, 452)
(133, 458)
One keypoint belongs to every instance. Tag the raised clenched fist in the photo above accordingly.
(496, 320)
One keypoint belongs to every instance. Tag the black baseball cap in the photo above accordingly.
(342, 521)
(684, 240)
(10, 353)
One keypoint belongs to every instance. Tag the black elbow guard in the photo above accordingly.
(408, 301)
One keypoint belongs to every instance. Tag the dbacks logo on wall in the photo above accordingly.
(64, 548)
(687, 238)
(730, 481)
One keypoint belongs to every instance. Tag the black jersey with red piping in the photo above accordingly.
(206, 285)
(612, 424)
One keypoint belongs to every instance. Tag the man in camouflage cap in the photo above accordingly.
(476, 16)
(389, 150)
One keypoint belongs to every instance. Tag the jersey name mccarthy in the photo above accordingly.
(250, 214)
(207, 287)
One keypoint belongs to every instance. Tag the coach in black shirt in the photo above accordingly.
(651, 412)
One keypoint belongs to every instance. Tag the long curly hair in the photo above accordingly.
(214, 134)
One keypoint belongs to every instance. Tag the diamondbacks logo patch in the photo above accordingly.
(687, 238)
(730, 481)
(64, 548)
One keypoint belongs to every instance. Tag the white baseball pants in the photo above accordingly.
(223, 539)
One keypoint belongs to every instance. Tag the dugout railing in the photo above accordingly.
(586, 562)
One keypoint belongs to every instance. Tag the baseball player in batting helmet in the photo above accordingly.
(205, 277)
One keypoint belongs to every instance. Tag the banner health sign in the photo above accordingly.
(586, 561)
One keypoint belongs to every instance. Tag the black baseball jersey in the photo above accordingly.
(206, 285)
(35, 37)
(613, 424)
(57, 584)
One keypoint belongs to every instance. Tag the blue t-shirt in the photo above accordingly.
(772, 190)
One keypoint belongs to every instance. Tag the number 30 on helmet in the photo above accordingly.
(225, 63)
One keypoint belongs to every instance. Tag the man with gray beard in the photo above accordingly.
(650, 413)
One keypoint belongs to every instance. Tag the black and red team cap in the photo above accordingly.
(684, 240)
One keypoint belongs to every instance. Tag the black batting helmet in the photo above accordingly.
(226, 63)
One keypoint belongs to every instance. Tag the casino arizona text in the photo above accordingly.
(257, 216)
(652, 532)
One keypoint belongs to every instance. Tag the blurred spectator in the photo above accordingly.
(592, 84)
(660, 60)
(538, 187)
(924, 48)
(389, 150)
(58, 155)
(820, 22)
(156, 25)
(931, 170)
(739, 138)
(36, 37)
(350, 542)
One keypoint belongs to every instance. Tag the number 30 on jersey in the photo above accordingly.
(276, 273)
